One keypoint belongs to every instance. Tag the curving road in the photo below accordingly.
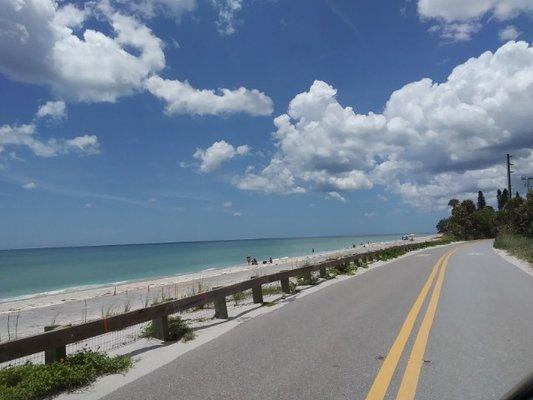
(454, 322)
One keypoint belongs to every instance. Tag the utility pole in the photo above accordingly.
(509, 172)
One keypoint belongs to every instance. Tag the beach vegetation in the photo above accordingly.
(40, 381)
(240, 296)
(178, 329)
(466, 222)
(305, 280)
(293, 287)
(511, 224)
(269, 290)
(331, 273)
(517, 245)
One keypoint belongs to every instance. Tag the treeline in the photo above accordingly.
(469, 220)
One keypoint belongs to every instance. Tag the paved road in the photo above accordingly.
(471, 339)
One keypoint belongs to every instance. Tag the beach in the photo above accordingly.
(28, 316)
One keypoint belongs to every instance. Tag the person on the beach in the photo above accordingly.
(254, 261)
(248, 259)
(312, 250)
(270, 260)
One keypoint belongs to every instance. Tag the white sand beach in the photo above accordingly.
(29, 316)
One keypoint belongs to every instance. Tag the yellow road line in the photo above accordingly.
(382, 381)
(411, 375)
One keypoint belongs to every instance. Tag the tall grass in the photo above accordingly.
(519, 246)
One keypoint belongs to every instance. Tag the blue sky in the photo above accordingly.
(103, 141)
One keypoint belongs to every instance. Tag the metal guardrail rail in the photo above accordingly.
(53, 342)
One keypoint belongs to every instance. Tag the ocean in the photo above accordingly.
(32, 272)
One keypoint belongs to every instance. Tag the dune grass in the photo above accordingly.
(517, 245)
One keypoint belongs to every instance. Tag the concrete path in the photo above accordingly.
(434, 325)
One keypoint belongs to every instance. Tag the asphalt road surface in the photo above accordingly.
(454, 322)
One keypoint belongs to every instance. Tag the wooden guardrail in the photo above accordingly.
(53, 342)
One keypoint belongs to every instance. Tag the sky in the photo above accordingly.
(181, 120)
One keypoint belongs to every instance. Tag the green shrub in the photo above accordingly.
(304, 280)
(272, 289)
(519, 246)
(39, 381)
(240, 296)
(177, 329)
(331, 273)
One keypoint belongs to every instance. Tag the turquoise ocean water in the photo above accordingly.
(37, 271)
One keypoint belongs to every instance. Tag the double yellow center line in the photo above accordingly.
(409, 382)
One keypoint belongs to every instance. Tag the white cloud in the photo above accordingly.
(152, 200)
(509, 33)
(431, 142)
(458, 19)
(182, 98)
(226, 15)
(335, 196)
(274, 178)
(237, 214)
(457, 31)
(53, 109)
(370, 214)
(26, 136)
(88, 205)
(29, 185)
(152, 8)
(55, 44)
(227, 204)
(219, 152)
(459, 10)
(45, 43)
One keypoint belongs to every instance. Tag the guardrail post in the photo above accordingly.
(221, 309)
(160, 326)
(55, 354)
(285, 286)
(257, 294)
(307, 277)
(323, 272)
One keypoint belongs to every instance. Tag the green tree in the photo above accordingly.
(481, 203)
(499, 199)
(483, 221)
(461, 222)
(453, 202)
(442, 225)
(505, 198)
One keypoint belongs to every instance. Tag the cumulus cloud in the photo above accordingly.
(509, 33)
(432, 140)
(226, 15)
(26, 136)
(458, 20)
(45, 43)
(49, 43)
(52, 109)
(219, 152)
(182, 98)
